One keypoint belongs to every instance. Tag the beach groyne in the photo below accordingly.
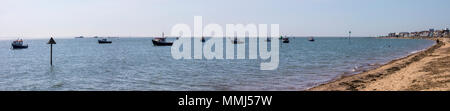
(428, 70)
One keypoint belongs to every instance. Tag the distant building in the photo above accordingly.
(431, 33)
(414, 34)
(424, 33)
(446, 32)
(392, 35)
(403, 34)
(440, 33)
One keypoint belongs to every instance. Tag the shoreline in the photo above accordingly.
(410, 73)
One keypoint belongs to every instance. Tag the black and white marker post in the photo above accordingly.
(51, 42)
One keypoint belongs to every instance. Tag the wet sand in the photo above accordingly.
(428, 70)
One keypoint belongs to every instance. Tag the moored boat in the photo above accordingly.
(161, 41)
(104, 41)
(311, 39)
(18, 44)
(236, 41)
(268, 39)
(286, 40)
(203, 39)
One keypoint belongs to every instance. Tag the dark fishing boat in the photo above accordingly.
(18, 44)
(104, 41)
(236, 41)
(311, 39)
(203, 39)
(268, 39)
(161, 41)
(285, 40)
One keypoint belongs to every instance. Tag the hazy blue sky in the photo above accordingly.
(70, 18)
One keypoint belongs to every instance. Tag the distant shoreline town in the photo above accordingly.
(432, 33)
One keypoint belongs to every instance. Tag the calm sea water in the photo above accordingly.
(135, 64)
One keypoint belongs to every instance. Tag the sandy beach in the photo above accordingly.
(428, 70)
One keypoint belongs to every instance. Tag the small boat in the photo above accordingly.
(161, 41)
(104, 41)
(268, 39)
(80, 37)
(311, 39)
(285, 40)
(236, 41)
(203, 39)
(18, 44)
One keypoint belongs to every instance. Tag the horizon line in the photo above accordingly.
(56, 37)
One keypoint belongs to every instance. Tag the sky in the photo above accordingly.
(145, 18)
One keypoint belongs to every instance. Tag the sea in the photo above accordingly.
(135, 64)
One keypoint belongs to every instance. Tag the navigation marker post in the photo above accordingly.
(51, 42)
